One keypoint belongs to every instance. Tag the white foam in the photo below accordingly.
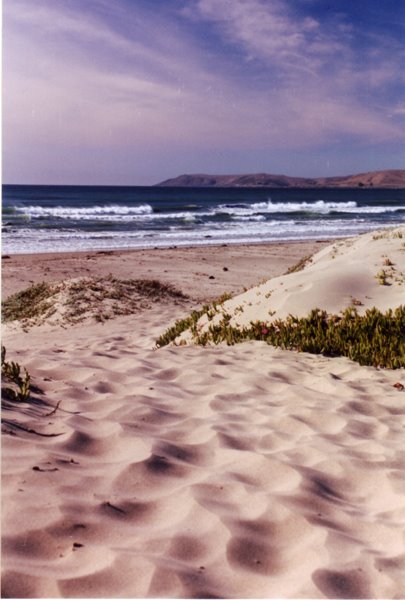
(249, 217)
(253, 212)
(25, 241)
(321, 207)
(111, 211)
(318, 206)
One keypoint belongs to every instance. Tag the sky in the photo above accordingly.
(132, 92)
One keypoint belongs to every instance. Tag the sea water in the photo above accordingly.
(79, 218)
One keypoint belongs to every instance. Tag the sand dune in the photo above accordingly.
(242, 471)
(363, 272)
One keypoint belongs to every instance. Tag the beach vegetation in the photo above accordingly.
(300, 265)
(102, 298)
(222, 298)
(16, 386)
(108, 297)
(239, 309)
(382, 277)
(389, 233)
(31, 303)
(374, 338)
(192, 321)
(179, 327)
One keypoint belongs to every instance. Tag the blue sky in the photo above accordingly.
(131, 92)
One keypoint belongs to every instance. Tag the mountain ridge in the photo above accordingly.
(389, 178)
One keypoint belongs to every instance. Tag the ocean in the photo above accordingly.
(81, 218)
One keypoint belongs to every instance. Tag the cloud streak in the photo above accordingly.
(268, 32)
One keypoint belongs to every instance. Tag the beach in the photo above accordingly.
(203, 300)
(233, 267)
(241, 471)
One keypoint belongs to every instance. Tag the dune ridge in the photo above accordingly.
(243, 471)
(363, 272)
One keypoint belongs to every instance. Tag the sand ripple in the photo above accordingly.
(218, 472)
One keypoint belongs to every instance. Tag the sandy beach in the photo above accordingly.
(240, 471)
(203, 272)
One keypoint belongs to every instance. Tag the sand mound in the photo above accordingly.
(363, 272)
(74, 300)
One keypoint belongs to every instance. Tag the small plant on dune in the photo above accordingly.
(388, 233)
(381, 236)
(12, 374)
(223, 298)
(300, 265)
(388, 263)
(190, 322)
(382, 277)
(179, 327)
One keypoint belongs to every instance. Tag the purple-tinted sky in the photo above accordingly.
(135, 91)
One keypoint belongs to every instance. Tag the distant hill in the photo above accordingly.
(394, 178)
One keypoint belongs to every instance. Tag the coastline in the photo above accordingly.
(95, 218)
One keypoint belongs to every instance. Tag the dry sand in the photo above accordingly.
(203, 272)
(241, 471)
(362, 272)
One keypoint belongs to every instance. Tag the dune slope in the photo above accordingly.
(363, 272)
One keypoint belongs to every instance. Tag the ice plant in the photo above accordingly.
(375, 338)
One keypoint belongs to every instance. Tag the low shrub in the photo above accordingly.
(180, 325)
(375, 338)
(190, 322)
(300, 265)
(11, 373)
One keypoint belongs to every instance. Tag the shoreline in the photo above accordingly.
(122, 221)
(203, 272)
(327, 240)
(187, 246)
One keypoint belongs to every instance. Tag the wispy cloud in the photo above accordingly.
(101, 74)
(271, 32)
(317, 68)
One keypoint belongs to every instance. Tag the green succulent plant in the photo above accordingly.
(11, 372)
(375, 338)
